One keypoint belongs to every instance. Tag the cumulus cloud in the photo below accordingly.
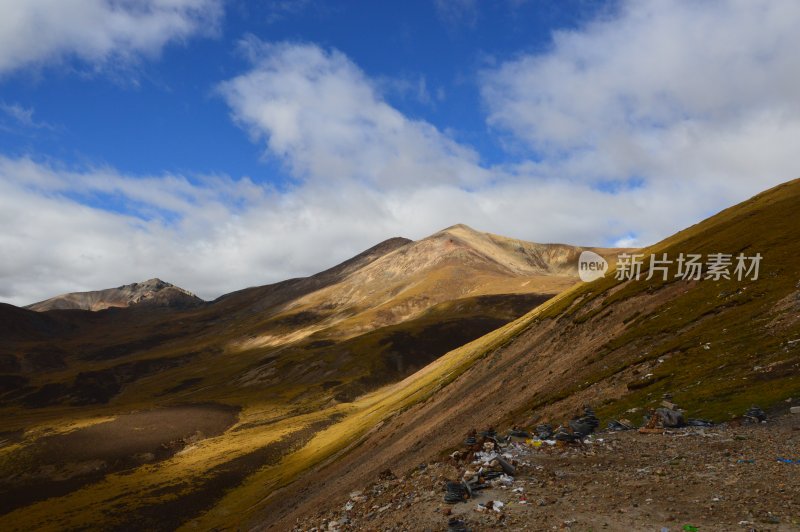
(34, 32)
(697, 95)
(319, 113)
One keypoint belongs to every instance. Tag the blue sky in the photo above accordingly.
(220, 144)
(163, 115)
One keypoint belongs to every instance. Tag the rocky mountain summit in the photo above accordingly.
(153, 292)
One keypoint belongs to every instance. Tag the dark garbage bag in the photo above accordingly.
(755, 414)
(455, 492)
(544, 431)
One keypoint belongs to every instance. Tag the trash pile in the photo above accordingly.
(489, 460)
(529, 475)
(488, 463)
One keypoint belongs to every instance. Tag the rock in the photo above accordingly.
(795, 410)
(671, 418)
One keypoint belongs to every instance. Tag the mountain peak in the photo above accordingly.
(153, 292)
(460, 228)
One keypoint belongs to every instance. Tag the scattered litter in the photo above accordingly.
(746, 461)
(755, 415)
(497, 506)
(503, 480)
(787, 460)
(690, 528)
(507, 468)
(455, 492)
(544, 431)
(584, 425)
(519, 433)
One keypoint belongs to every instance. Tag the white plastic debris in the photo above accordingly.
(484, 458)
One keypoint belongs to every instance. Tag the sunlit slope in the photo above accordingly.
(716, 346)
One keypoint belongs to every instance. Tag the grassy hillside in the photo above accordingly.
(716, 346)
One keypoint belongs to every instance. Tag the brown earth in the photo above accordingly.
(722, 478)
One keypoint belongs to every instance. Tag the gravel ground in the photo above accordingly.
(725, 477)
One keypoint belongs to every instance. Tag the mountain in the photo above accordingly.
(154, 293)
(717, 346)
(412, 277)
(108, 409)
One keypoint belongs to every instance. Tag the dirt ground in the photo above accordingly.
(725, 477)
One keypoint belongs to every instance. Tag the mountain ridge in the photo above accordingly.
(153, 292)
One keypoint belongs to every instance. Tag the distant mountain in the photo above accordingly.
(457, 262)
(154, 293)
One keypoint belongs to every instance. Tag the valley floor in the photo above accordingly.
(724, 477)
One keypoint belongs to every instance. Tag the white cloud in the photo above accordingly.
(35, 32)
(319, 113)
(698, 95)
(213, 235)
